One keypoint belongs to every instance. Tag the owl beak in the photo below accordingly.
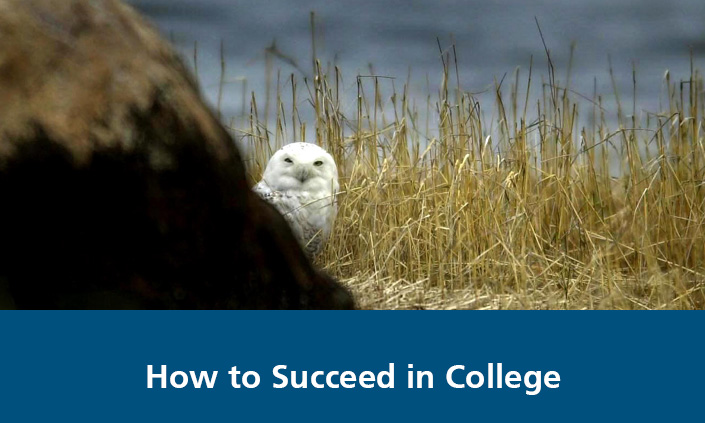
(302, 174)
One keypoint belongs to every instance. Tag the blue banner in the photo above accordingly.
(88, 366)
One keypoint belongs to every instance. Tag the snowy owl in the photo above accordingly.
(301, 181)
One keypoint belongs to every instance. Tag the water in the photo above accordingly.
(492, 39)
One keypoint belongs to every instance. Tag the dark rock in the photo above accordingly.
(118, 187)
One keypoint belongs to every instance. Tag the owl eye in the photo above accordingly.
(288, 160)
(317, 163)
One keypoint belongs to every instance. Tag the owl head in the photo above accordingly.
(302, 166)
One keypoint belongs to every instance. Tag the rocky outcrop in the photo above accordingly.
(118, 187)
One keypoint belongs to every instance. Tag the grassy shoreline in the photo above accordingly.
(518, 212)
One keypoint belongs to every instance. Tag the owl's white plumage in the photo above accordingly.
(301, 181)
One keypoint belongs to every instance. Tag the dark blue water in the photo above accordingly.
(492, 39)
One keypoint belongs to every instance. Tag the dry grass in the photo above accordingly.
(518, 211)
